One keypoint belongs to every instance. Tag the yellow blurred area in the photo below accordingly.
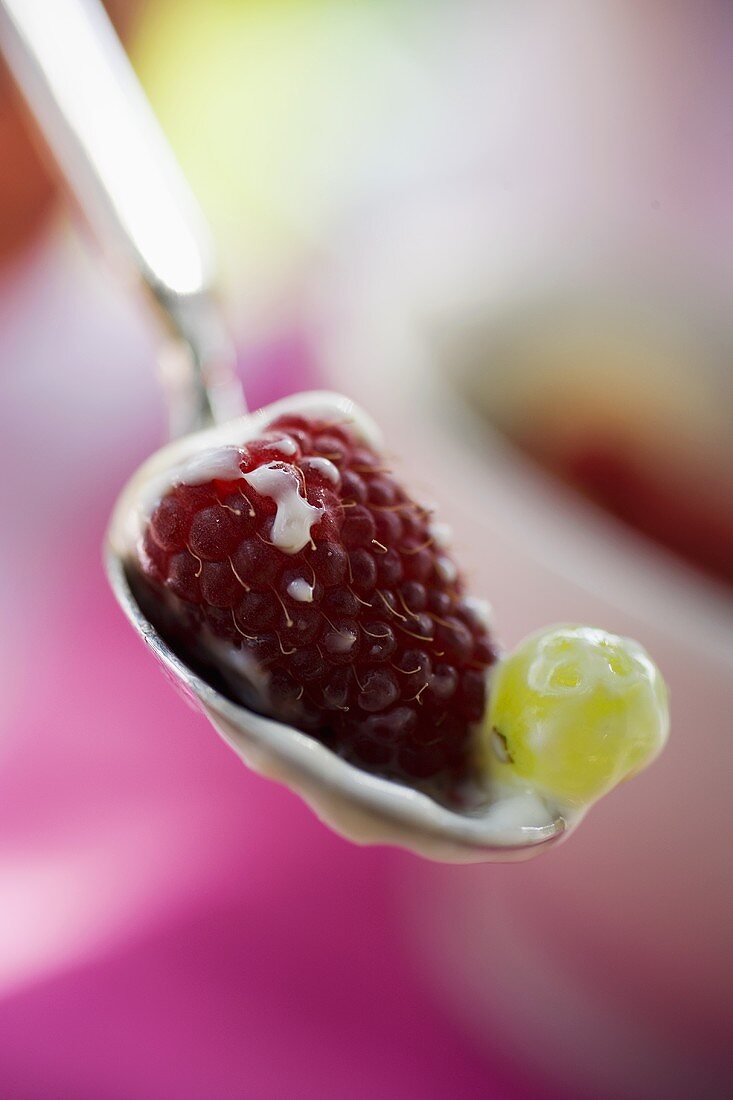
(276, 111)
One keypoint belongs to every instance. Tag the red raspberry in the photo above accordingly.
(361, 637)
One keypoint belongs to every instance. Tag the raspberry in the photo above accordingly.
(318, 566)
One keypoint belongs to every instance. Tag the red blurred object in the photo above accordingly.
(693, 520)
(28, 185)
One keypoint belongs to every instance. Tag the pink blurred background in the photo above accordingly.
(495, 225)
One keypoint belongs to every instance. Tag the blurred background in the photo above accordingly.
(506, 228)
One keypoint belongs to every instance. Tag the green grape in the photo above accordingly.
(573, 711)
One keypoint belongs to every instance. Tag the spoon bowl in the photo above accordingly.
(513, 824)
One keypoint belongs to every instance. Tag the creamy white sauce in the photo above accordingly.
(172, 464)
(341, 641)
(213, 463)
(294, 517)
(440, 533)
(515, 807)
(220, 463)
(446, 569)
(483, 611)
(283, 446)
(300, 591)
(324, 467)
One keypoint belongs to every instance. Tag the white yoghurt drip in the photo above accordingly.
(514, 808)
(440, 533)
(483, 611)
(300, 591)
(341, 641)
(294, 518)
(446, 570)
(324, 467)
(216, 463)
(172, 465)
(284, 446)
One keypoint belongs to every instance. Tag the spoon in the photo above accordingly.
(93, 115)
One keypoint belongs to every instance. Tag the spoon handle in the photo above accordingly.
(95, 118)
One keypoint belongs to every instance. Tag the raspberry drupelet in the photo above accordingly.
(325, 597)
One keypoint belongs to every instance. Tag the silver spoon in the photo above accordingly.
(93, 114)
